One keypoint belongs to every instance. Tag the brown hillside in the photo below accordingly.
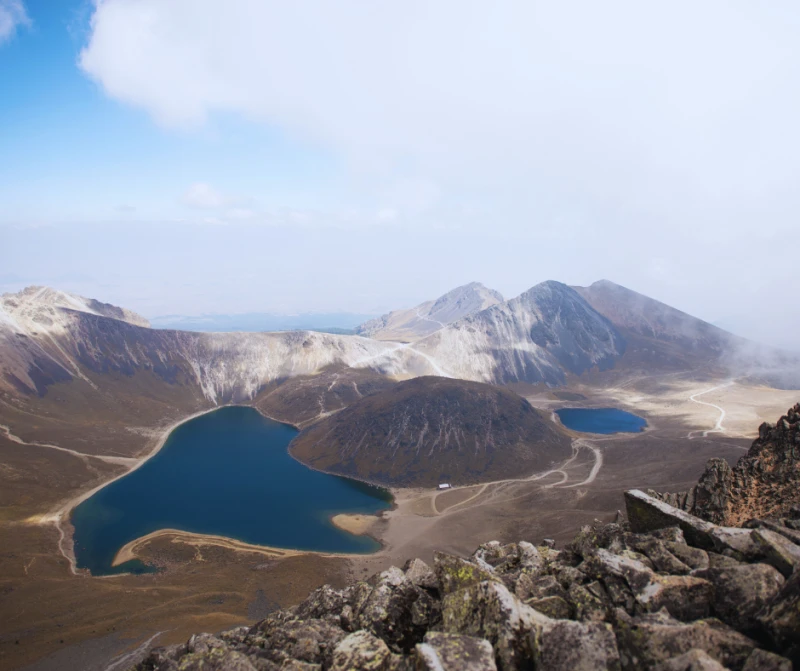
(430, 430)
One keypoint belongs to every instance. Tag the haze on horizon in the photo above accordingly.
(190, 157)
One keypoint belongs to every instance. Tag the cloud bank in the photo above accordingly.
(12, 16)
(655, 143)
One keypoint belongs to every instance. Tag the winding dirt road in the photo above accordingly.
(718, 428)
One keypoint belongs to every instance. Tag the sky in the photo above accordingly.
(193, 156)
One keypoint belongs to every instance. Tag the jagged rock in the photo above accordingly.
(310, 641)
(552, 606)
(528, 587)
(669, 535)
(564, 645)
(321, 603)
(721, 561)
(694, 660)
(530, 559)
(595, 536)
(452, 652)
(656, 551)
(588, 602)
(782, 619)
(361, 650)
(647, 513)
(647, 640)
(693, 557)
(218, 659)
(764, 483)
(684, 597)
(784, 528)
(761, 660)
(742, 592)
(455, 573)
(387, 612)
(488, 610)
(549, 543)
(420, 574)
(778, 550)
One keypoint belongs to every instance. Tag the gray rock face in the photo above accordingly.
(614, 598)
(741, 593)
(451, 652)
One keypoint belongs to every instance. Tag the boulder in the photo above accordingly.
(648, 640)
(387, 611)
(782, 619)
(742, 592)
(694, 660)
(310, 641)
(420, 574)
(647, 513)
(588, 602)
(761, 660)
(777, 550)
(564, 645)
(452, 652)
(692, 557)
(322, 603)
(488, 610)
(361, 650)
(684, 597)
(552, 606)
(455, 573)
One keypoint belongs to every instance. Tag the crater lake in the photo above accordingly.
(225, 473)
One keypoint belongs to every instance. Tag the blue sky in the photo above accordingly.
(190, 156)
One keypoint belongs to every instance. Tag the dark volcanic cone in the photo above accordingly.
(430, 430)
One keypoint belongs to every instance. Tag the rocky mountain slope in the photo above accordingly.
(764, 483)
(662, 338)
(425, 318)
(430, 430)
(666, 591)
(543, 335)
(649, 318)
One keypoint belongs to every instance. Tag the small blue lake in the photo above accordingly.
(600, 420)
(226, 473)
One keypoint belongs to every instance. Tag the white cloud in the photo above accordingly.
(12, 16)
(203, 196)
(594, 136)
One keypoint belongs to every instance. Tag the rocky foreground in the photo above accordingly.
(664, 590)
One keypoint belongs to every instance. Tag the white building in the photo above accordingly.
(444, 485)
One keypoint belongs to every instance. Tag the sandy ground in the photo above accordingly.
(134, 549)
(356, 524)
(745, 406)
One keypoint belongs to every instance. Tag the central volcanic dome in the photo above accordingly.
(430, 430)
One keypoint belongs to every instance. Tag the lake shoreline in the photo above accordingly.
(354, 500)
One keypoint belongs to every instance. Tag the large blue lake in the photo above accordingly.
(600, 420)
(226, 473)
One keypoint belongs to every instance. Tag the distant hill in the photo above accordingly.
(430, 430)
(430, 316)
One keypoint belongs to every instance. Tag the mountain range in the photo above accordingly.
(545, 335)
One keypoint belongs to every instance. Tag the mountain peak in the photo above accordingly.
(430, 316)
(38, 306)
